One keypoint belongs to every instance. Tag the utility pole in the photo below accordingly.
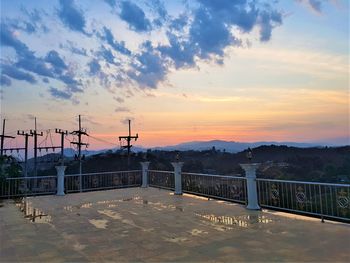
(26, 136)
(35, 134)
(3, 137)
(79, 133)
(128, 139)
(63, 133)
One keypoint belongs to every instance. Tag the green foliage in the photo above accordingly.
(9, 167)
(327, 164)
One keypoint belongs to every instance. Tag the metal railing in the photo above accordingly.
(231, 188)
(27, 186)
(323, 200)
(161, 179)
(102, 181)
(319, 199)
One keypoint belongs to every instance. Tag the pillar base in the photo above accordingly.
(253, 207)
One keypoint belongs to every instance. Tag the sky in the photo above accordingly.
(186, 70)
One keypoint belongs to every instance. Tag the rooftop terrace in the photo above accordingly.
(149, 224)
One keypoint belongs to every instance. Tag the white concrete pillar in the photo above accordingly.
(250, 174)
(60, 179)
(177, 173)
(144, 173)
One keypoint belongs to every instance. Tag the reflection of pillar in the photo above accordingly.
(144, 173)
(250, 174)
(60, 179)
(177, 173)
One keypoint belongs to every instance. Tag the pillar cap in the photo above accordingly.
(60, 167)
(177, 163)
(250, 165)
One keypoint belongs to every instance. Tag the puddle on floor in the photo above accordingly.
(175, 239)
(117, 216)
(198, 232)
(240, 221)
(35, 215)
(99, 223)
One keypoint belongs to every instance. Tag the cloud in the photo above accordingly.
(72, 48)
(179, 23)
(30, 21)
(125, 121)
(208, 32)
(160, 11)
(15, 73)
(182, 53)
(5, 81)
(149, 68)
(35, 65)
(35, 22)
(71, 16)
(56, 61)
(202, 32)
(267, 21)
(315, 5)
(94, 67)
(69, 80)
(107, 55)
(118, 99)
(50, 66)
(9, 39)
(135, 17)
(95, 70)
(117, 46)
(111, 3)
(122, 109)
(60, 94)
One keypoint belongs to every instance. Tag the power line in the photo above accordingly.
(104, 141)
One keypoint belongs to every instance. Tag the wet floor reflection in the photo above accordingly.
(240, 221)
(35, 215)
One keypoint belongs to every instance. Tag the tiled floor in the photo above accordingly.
(144, 225)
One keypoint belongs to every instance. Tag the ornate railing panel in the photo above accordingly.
(161, 179)
(102, 181)
(232, 188)
(321, 199)
(27, 186)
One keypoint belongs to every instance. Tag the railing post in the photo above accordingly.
(177, 174)
(60, 179)
(144, 174)
(250, 174)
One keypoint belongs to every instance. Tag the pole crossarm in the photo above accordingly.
(13, 149)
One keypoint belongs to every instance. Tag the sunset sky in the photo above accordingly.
(180, 70)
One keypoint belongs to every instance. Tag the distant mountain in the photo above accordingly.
(69, 152)
(229, 146)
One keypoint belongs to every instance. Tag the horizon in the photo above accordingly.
(180, 71)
